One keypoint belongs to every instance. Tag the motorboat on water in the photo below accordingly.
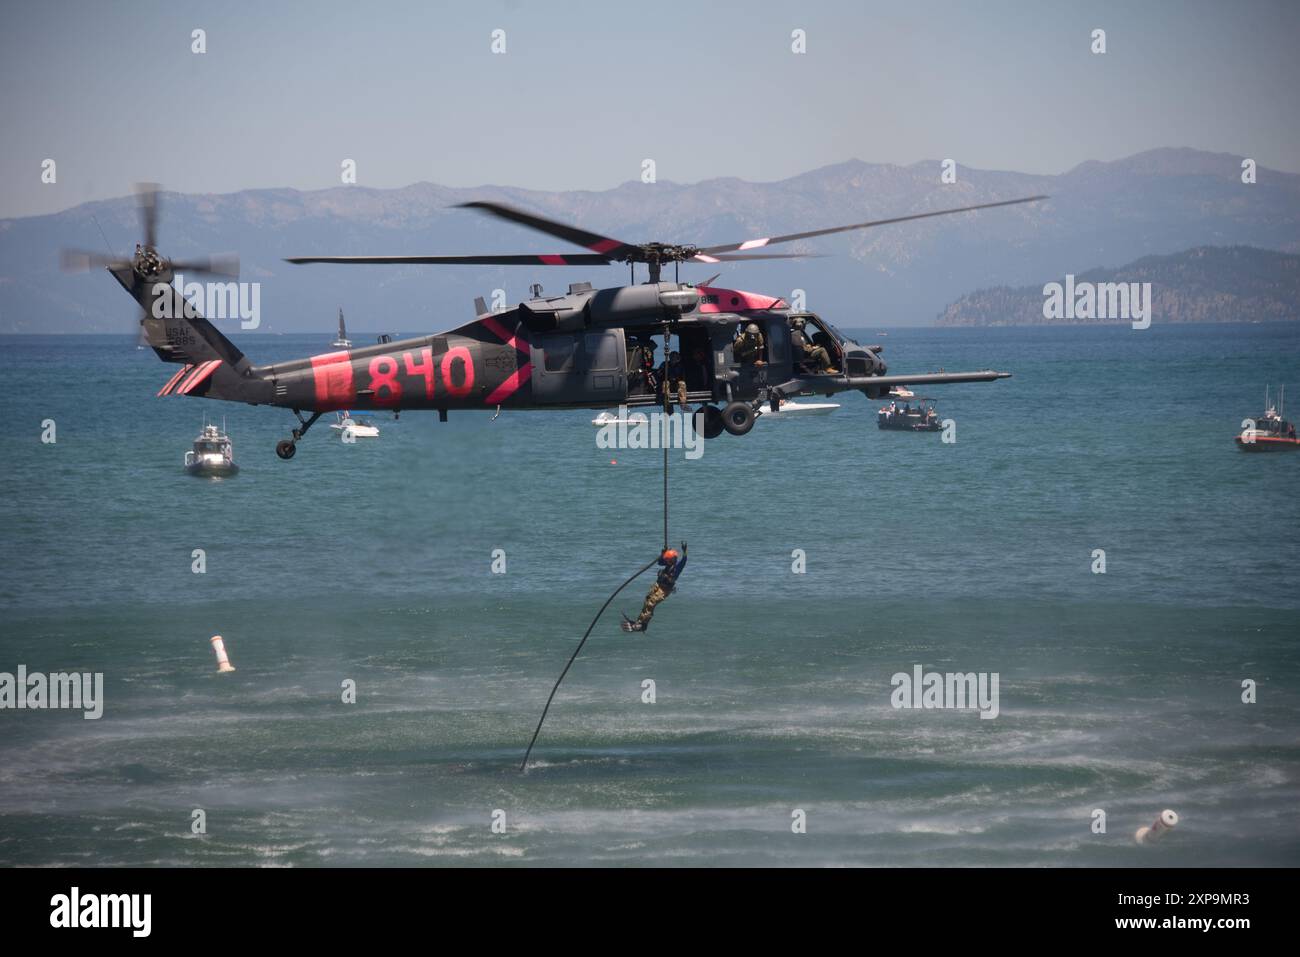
(1270, 432)
(790, 407)
(352, 427)
(921, 417)
(213, 453)
(626, 418)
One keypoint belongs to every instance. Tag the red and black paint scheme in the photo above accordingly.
(567, 351)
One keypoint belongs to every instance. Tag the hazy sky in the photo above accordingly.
(587, 90)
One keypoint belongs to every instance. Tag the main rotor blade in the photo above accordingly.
(731, 258)
(613, 248)
(772, 240)
(220, 264)
(147, 197)
(527, 259)
(78, 260)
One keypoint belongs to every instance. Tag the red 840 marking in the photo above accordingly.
(383, 375)
(467, 365)
(387, 387)
(424, 367)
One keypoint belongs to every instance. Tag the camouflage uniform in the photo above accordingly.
(673, 373)
(664, 585)
(817, 354)
(748, 349)
(657, 594)
(805, 349)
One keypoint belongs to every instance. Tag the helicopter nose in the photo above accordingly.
(867, 360)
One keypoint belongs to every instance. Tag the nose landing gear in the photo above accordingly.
(287, 448)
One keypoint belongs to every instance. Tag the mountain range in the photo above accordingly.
(1099, 215)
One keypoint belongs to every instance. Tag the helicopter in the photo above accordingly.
(548, 352)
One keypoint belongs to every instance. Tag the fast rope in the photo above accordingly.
(668, 405)
(574, 657)
(644, 568)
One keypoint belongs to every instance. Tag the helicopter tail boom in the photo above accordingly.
(211, 366)
(173, 327)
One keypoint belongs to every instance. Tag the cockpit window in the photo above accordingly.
(815, 321)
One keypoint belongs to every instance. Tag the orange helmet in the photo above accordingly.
(670, 554)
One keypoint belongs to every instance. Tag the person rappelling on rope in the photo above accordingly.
(671, 564)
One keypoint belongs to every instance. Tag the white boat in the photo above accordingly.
(613, 418)
(901, 392)
(789, 407)
(342, 341)
(352, 427)
(213, 453)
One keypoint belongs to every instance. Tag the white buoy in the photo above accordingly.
(1165, 822)
(223, 661)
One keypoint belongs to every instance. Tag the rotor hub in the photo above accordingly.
(662, 253)
(148, 263)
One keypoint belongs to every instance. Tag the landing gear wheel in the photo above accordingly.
(712, 426)
(738, 418)
(286, 448)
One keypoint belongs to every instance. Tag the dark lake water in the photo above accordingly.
(372, 563)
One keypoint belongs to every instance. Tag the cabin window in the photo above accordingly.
(603, 352)
(558, 351)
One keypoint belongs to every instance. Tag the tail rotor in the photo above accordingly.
(147, 262)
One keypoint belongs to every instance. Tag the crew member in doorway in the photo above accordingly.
(648, 373)
(673, 374)
(671, 565)
(748, 347)
(640, 366)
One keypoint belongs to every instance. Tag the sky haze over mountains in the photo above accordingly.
(1099, 215)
